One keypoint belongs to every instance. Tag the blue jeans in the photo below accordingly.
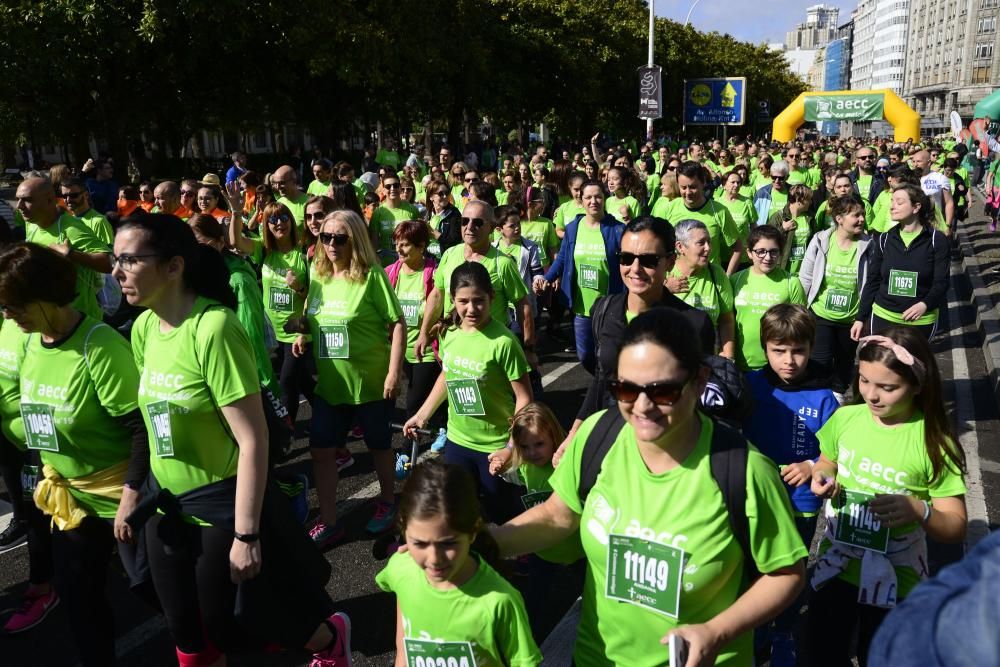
(583, 332)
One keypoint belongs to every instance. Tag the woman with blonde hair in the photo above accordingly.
(350, 306)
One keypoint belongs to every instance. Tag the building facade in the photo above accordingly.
(952, 58)
(879, 50)
(819, 28)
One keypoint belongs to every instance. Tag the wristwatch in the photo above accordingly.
(248, 537)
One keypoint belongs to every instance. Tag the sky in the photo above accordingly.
(745, 19)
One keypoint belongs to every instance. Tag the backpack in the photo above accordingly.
(728, 460)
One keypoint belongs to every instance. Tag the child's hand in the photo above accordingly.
(499, 461)
(412, 424)
(823, 485)
(797, 474)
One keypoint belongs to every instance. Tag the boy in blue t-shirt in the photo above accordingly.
(792, 400)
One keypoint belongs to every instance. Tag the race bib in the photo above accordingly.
(798, 252)
(838, 301)
(465, 398)
(334, 343)
(590, 276)
(40, 426)
(29, 480)
(411, 311)
(281, 299)
(644, 573)
(857, 524)
(163, 434)
(424, 653)
(903, 283)
(529, 500)
(434, 248)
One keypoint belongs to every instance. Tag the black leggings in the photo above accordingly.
(877, 325)
(190, 569)
(834, 611)
(501, 501)
(296, 377)
(834, 350)
(420, 379)
(12, 462)
(81, 562)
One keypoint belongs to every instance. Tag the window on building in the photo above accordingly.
(987, 4)
(984, 50)
(987, 25)
(981, 74)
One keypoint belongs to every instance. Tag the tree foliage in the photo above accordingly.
(118, 69)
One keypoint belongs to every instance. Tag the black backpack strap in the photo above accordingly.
(728, 459)
(597, 446)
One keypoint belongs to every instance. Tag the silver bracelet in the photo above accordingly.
(927, 512)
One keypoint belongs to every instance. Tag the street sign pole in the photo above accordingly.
(652, 20)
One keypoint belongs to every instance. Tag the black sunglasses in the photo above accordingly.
(661, 393)
(335, 239)
(275, 219)
(476, 222)
(646, 260)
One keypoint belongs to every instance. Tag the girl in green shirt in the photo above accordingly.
(452, 607)
(484, 378)
(620, 203)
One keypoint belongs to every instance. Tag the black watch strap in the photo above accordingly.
(248, 537)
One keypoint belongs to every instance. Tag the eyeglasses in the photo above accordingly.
(761, 253)
(778, 178)
(277, 184)
(275, 219)
(128, 262)
(646, 260)
(441, 194)
(674, 168)
(391, 186)
(660, 393)
(188, 193)
(406, 189)
(458, 174)
(72, 195)
(476, 222)
(792, 155)
(470, 179)
(866, 157)
(334, 239)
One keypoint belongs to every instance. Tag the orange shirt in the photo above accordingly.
(127, 207)
(147, 206)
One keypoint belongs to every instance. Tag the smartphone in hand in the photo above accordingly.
(678, 651)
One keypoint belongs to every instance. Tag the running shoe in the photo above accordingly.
(324, 535)
(438, 443)
(298, 494)
(402, 466)
(345, 461)
(382, 520)
(338, 654)
(783, 650)
(13, 536)
(33, 610)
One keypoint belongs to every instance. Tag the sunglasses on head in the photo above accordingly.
(334, 239)
(660, 393)
(476, 222)
(646, 260)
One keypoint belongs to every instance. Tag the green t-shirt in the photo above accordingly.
(661, 209)
(12, 342)
(318, 187)
(349, 323)
(81, 238)
(566, 213)
(537, 490)
(297, 207)
(250, 313)
(778, 201)
(486, 611)
(881, 220)
(503, 197)
(722, 230)
(188, 374)
(881, 459)
(508, 287)
(388, 158)
(281, 302)
(682, 508)
(543, 233)
(907, 237)
(824, 219)
(385, 219)
(799, 240)
(412, 298)
(592, 271)
(69, 397)
(865, 187)
(753, 294)
(479, 366)
(613, 205)
(99, 225)
(653, 187)
(838, 298)
(709, 290)
(434, 246)
(744, 215)
(798, 176)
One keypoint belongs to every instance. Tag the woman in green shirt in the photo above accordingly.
(620, 203)
(78, 386)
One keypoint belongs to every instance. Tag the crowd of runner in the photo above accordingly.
(157, 340)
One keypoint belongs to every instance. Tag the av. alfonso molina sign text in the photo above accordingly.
(845, 107)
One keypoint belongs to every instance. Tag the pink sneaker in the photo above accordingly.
(339, 653)
(33, 610)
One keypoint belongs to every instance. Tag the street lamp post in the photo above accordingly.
(687, 19)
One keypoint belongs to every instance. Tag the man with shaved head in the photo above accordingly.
(167, 197)
(284, 181)
(510, 291)
(937, 187)
(47, 226)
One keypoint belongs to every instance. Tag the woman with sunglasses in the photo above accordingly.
(211, 202)
(357, 332)
(456, 179)
(445, 219)
(658, 446)
(390, 213)
(78, 386)
(584, 266)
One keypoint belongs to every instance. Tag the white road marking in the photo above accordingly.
(558, 372)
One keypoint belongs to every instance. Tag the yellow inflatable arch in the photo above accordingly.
(904, 119)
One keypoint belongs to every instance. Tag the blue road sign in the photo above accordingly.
(715, 101)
